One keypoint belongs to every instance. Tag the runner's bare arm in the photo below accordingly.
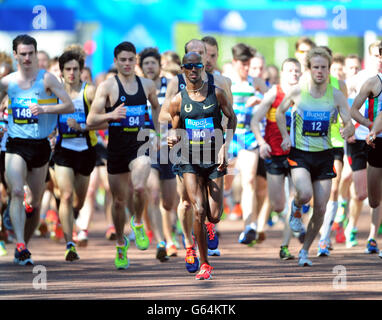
(343, 107)
(226, 107)
(260, 85)
(225, 84)
(283, 107)
(375, 130)
(359, 100)
(155, 107)
(89, 93)
(174, 113)
(97, 116)
(172, 89)
(3, 88)
(343, 88)
(51, 84)
(261, 112)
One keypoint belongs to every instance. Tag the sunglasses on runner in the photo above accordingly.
(190, 66)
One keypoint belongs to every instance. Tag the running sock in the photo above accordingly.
(331, 211)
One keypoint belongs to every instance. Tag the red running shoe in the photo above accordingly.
(205, 272)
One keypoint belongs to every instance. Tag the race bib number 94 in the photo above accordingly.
(135, 118)
(21, 112)
(316, 123)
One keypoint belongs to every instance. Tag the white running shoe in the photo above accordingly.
(303, 260)
(82, 238)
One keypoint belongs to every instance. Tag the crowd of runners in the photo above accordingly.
(168, 146)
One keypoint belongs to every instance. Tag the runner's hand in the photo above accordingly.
(2, 131)
(252, 101)
(347, 132)
(73, 124)
(370, 138)
(36, 109)
(172, 141)
(222, 159)
(286, 144)
(265, 150)
(351, 139)
(119, 112)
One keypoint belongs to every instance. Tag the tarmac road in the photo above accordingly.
(240, 272)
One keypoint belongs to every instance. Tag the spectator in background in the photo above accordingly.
(271, 75)
(337, 67)
(170, 64)
(353, 65)
(303, 45)
(43, 59)
(257, 65)
(54, 68)
(86, 75)
(212, 55)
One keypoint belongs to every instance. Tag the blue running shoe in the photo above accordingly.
(212, 237)
(22, 256)
(323, 249)
(192, 261)
(295, 222)
(248, 235)
(371, 247)
(214, 252)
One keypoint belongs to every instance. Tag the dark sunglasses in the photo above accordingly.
(190, 66)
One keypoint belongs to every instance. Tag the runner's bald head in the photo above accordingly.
(191, 56)
(194, 45)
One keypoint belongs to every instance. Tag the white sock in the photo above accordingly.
(331, 211)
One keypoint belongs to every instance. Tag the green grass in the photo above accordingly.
(265, 45)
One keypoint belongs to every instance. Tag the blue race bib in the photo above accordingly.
(316, 123)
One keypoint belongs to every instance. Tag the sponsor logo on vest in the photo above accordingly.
(207, 107)
(188, 109)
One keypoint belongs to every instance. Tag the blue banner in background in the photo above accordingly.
(151, 22)
(30, 19)
(304, 20)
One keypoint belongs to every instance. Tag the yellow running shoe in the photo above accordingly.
(141, 239)
(3, 250)
(121, 261)
(71, 253)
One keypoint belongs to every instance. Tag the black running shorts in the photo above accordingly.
(35, 152)
(82, 162)
(357, 153)
(320, 164)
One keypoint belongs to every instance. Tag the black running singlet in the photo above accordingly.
(123, 133)
(202, 122)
